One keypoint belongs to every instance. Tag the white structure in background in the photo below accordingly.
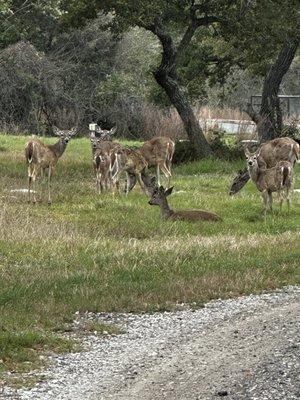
(231, 126)
(290, 105)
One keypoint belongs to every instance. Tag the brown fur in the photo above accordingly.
(41, 158)
(270, 153)
(270, 180)
(159, 152)
(158, 196)
(132, 163)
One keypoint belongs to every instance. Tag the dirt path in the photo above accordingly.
(246, 348)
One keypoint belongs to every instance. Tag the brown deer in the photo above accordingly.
(102, 168)
(270, 180)
(132, 163)
(105, 164)
(270, 153)
(41, 157)
(158, 152)
(159, 197)
(103, 136)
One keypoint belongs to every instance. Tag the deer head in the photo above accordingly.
(159, 194)
(64, 135)
(95, 141)
(252, 159)
(105, 134)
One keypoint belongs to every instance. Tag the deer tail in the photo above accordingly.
(29, 149)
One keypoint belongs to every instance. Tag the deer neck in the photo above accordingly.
(254, 173)
(58, 148)
(165, 209)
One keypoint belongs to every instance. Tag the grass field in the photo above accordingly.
(110, 253)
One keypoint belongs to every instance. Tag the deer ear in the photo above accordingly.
(113, 130)
(74, 131)
(55, 130)
(169, 191)
(247, 152)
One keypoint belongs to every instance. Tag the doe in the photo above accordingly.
(41, 157)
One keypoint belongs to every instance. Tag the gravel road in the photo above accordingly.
(244, 348)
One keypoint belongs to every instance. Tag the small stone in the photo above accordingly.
(222, 393)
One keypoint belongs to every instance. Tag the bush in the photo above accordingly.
(292, 131)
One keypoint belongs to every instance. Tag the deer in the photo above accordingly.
(103, 136)
(158, 196)
(270, 153)
(41, 158)
(105, 164)
(133, 164)
(102, 168)
(270, 180)
(158, 152)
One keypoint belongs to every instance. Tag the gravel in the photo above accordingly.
(244, 348)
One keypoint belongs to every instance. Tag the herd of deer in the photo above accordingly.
(270, 168)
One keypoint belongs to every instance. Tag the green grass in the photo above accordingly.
(110, 253)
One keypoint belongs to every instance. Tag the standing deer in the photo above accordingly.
(103, 135)
(105, 164)
(158, 152)
(270, 153)
(159, 197)
(41, 157)
(269, 180)
(133, 164)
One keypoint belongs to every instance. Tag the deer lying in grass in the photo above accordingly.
(270, 153)
(159, 197)
(41, 157)
(269, 180)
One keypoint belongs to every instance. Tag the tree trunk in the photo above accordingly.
(166, 76)
(269, 119)
(179, 100)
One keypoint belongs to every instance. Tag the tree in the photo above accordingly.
(166, 20)
(271, 36)
(269, 118)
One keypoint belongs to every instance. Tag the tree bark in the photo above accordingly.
(166, 76)
(269, 119)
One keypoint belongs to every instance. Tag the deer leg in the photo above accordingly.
(288, 199)
(127, 183)
(33, 188)
(29, 188)
(280, 200)
(270, 201)
(167, 173)
(49, 185)
(158, 175)
(139, 178)
(265, 200)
